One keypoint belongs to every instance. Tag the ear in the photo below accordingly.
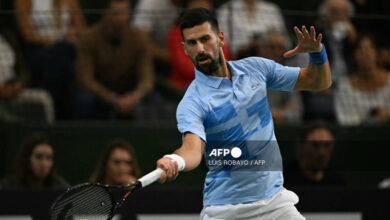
(184, 48)
(221, 37)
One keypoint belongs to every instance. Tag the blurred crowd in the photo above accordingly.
(130, 63)
(313, 164)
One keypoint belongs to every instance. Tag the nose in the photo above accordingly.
(199, 48)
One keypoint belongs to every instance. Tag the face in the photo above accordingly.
(365, 54)
(318, 149)
(203, 46)
(338, 11)
(118, 167)
(275, 47)
(118, 15)
(200, 4)
(41, 160)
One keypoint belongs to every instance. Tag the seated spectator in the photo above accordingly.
(117, 165)
(34, 166)
(364, 97)
(50, 30)
(114, 66)
(285, 106)
(340, 34)
(243, 21)
(315, 153)
(17, 102)
(182, 72)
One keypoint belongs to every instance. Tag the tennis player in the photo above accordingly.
(227, 102)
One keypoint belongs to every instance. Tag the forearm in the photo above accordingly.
(192, 158)
(320, 76)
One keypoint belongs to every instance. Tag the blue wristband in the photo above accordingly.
(319, 58)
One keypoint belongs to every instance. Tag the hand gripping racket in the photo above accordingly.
(95, 200)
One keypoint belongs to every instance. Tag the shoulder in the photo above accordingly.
(60, 183)
(269, 6)
(253, 63)
(92, 32)
(137, 34)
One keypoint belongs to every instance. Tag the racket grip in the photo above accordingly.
(151, 177)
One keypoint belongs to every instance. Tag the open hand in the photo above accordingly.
(307, 42)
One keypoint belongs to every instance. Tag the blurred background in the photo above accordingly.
(89, 90)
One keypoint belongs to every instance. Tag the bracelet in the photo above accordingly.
(319, 58)
(180, 160)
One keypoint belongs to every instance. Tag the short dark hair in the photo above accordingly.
(196, 16)
(314, 125)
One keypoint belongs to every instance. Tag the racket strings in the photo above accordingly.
(87, 200)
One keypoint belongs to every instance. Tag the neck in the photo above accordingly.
(315, 175)
(250, 3)
(368, 74)
(223, 70)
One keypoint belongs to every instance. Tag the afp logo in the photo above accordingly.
(235, 152)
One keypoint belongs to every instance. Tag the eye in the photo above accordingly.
(191, 42)
(205, 39)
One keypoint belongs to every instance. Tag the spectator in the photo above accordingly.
(34, 166)
(248, 19)
(182, 72)
(315, 153)
(380, 27)
(156, 17)
(340, 33)
(50, 31)
(285, 106)
(117, 165)
(365, 95)
(18, 103)
(114, 66)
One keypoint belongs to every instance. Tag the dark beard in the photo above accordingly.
(208, 68)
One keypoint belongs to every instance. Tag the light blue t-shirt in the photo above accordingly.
(225, 113)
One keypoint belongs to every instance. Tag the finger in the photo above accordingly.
(313, 32)
(176, 169)
(290, 53)
(319, 38)
(162, 178)
(298, 33)
(170, 171)
(305, 32)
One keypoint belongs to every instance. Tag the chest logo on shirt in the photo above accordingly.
(255, 86)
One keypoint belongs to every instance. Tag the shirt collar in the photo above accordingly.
(213, 81)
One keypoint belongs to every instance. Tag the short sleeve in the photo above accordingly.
(190, 116)
(279, 77)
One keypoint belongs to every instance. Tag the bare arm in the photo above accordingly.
(314, 77)
(191, 151)
(77, 16)
(26, 26)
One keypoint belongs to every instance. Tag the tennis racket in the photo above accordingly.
(94, 200)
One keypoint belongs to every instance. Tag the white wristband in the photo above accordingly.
(180, 161)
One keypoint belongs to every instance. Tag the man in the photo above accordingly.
(114, 65)
(311, 168)
(225, 104)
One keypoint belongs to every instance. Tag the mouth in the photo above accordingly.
(203, 59)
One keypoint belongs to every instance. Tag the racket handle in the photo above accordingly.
(151, 177)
